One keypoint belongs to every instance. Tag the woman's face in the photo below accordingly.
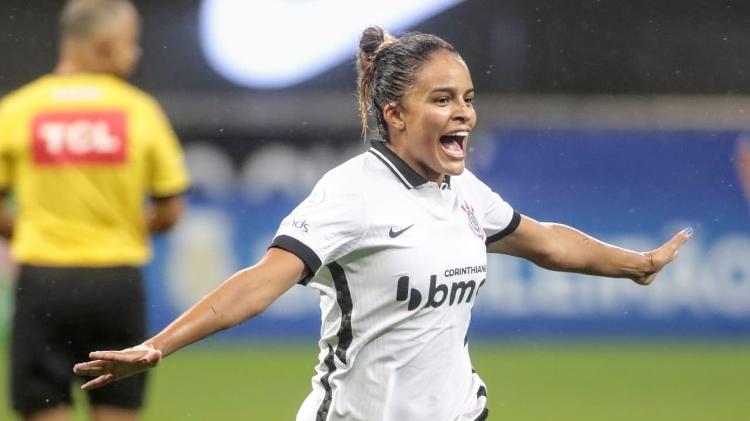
(435, 117)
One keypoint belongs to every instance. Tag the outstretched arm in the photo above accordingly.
(245, 294)
(560, 247)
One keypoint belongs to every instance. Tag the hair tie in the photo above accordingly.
(387, 42)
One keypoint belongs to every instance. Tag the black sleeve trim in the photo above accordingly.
(512, 225)
(170, 196)
(299, 249)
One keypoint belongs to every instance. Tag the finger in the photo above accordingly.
(98, 382)
(97, 365)
(681, 238)
(89, 369)
(117, 356)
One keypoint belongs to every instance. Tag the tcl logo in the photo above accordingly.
(96, 137)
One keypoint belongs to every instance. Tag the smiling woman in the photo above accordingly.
(395, 242)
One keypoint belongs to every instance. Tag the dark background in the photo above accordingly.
(521, 46)
(536, 49)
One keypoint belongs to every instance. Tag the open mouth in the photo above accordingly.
(454, 144)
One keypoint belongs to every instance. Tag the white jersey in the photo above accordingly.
(398, 262)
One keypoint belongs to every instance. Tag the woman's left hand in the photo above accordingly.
(660, 257)
(109, 366)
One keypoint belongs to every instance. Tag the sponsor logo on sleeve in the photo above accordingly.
(298, 224)
(301, 225)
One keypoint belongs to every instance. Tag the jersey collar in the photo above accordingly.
(400, 169)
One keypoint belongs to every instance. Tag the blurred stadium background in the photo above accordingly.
(620, 118)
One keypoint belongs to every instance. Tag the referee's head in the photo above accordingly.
(99, 36)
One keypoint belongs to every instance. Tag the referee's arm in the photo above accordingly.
(562, 248)
(6, 219)
(164, 213)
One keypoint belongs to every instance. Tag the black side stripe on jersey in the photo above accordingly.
(299, 249)
(481, 392)
(512, 225)
(484, 415)
(326, 404)
(344, 299)
(344, 334)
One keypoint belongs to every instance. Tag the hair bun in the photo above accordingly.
(372, 38)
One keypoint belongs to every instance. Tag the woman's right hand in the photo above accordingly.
(109, 366)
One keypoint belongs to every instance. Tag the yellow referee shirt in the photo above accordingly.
(82, 153)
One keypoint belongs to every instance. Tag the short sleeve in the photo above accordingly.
(326, 226)
(168, 173)
(498, 218)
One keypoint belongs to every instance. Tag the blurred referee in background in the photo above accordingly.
(81, 151)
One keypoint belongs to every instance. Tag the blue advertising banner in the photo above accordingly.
(633, 188)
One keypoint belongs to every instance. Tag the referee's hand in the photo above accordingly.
(660, 257)
(110, 366)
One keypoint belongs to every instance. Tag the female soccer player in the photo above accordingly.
(395, 241)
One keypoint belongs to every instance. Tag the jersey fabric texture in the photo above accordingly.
(398, 262)
(81, 153)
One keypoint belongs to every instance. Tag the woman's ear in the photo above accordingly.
(393, 116)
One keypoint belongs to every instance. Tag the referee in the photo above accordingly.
(81, 153)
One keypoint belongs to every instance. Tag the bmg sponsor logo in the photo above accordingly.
(438, 294)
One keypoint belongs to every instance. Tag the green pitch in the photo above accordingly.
(527, 381)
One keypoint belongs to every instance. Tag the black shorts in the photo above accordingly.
(62, 314)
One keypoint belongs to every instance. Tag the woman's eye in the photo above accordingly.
(469, 100)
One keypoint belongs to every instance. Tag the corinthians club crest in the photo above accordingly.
(473, 222)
